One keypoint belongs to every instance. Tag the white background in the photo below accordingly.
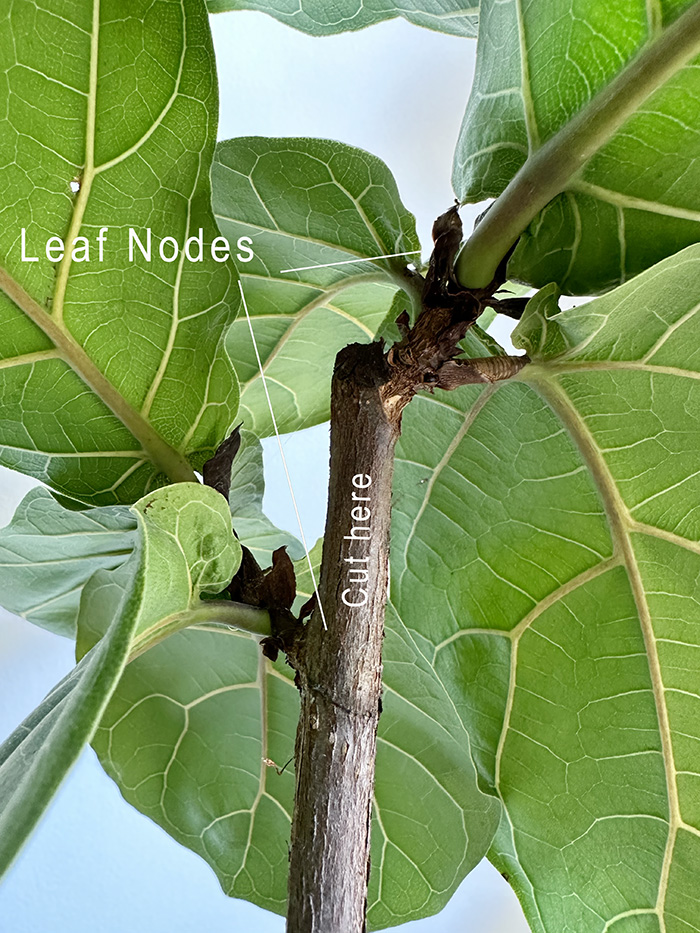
(95, 865)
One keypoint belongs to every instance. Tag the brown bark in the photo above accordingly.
(339, 669)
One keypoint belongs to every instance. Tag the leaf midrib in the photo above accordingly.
(531, 128)
(630, 202)
(88, 174)
(536, 371)
(165, 457)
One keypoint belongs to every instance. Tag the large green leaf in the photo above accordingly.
(113, 372)
(185, 547)
(320, 18)
(37, 756)
(188, 547)
(307, 202)
(186, 737)
(545, 562)
(48, 552)
(637, 200)
(197, 722)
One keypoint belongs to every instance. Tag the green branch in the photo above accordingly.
(548, 171)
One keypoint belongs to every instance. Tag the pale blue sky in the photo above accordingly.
(95, 865)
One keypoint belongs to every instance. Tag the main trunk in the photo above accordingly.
(340, 667)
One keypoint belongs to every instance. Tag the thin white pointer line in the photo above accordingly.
(349, 262)
(284, 461)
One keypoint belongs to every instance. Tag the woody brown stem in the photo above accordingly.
(339, 669)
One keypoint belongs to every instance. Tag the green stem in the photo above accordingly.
(548, 171)
(210, 612)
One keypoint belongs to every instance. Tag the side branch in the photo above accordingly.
(547, 172)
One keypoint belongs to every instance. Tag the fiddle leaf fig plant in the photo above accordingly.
(494, 649)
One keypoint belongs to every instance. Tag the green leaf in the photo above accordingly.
(319, 18)
(188, 547)
(305, 583)
(40, 752)
(48, 552)
(636, 201)
(545, 562)
(185, 547)
(307, 202)
(196, 722)
(185, 738)
(252, 526)
(114, 373)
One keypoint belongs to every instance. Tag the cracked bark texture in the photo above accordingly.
(339, 670)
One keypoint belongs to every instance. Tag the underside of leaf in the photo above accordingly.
(320, 18)
(635, 201)
(545, 560)
(327, 223)
(114, 375)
